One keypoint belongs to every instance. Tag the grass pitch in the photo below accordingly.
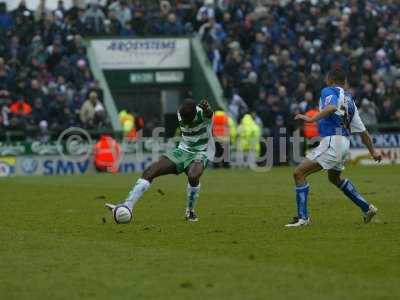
(55, 245)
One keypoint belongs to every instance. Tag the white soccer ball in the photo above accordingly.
(122, 214)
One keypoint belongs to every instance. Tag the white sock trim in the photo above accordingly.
(140, 187)
(193, 187)
(191, 202)
(144, 182)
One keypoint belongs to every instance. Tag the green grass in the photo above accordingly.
(54, 245)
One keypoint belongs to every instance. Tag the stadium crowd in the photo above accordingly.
(272, 58)
(45, 80)
(270, 55)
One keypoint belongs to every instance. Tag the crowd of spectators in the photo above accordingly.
(270, 55)
(45, 76)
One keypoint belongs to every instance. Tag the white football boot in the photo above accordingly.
(297, 222)
(110, 206)
(372, 211)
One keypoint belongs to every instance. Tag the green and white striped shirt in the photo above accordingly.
(196, 136)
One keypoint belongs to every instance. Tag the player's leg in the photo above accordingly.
(351, 192)
(306, 167)
(161, 167)
(193, 172)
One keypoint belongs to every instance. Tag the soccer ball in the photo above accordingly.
(122, 214)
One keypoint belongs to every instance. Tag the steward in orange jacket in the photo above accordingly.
(107, 154)
(310, 130)
(20, 108)
(220, 127)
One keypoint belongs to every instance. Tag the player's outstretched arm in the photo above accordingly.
(205, 106)
(330, 109)
(367, 141)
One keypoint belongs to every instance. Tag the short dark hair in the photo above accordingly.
(337, 76)
(188, 110)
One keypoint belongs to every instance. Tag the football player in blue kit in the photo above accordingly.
(337, 119)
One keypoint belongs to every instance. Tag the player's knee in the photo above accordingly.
(298, 175)
(194, 179)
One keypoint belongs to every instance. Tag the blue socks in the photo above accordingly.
(345, 185)
(350, 191)
(301, 199)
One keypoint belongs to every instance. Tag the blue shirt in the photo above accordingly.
(337, 123)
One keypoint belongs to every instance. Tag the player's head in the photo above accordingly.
(187, 110)
(336, 77)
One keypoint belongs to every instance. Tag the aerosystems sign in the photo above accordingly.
(141, 54)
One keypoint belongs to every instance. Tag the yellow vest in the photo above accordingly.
(249, 134)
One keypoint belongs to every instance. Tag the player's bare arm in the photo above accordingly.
(330, 109)
(205, 106)
(367, 141)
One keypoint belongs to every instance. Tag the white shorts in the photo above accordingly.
(331, 153)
